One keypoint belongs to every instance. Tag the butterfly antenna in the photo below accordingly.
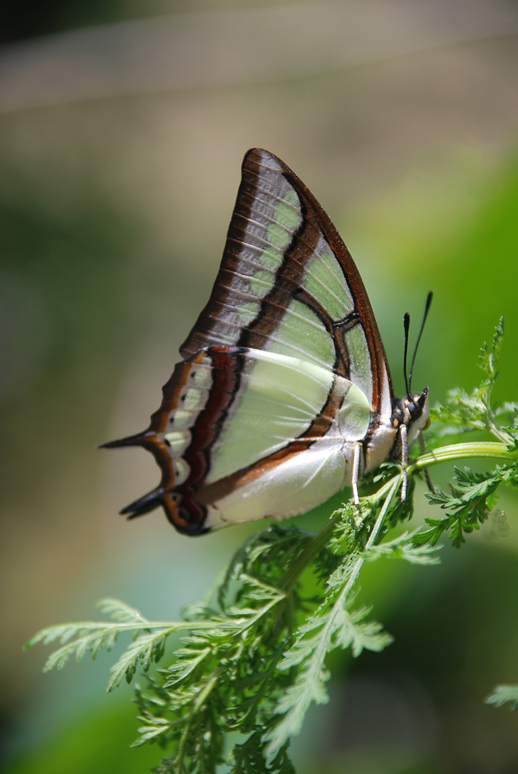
(425, 315)
(406, 325)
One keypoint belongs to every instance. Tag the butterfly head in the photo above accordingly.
(413, 411)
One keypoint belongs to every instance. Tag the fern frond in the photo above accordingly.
(504, 694)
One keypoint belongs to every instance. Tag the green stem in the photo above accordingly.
(457, 451)
(372, 537)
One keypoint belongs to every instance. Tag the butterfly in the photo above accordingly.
(283, 395)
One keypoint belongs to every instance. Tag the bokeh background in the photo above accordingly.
(123, 124)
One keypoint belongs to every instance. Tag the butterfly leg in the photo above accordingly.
(357, 455)
(404, 461)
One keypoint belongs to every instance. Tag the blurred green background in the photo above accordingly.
(123, 124)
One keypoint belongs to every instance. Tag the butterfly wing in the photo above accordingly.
(282, 372)
(287, 283)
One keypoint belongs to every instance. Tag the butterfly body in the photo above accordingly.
(284, 394)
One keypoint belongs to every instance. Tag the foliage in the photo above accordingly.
(503, 694)
(251, 660)
(473, 495)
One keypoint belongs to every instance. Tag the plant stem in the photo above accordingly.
(458, 451)
(372, 537)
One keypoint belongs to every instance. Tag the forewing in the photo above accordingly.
(287, 284)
